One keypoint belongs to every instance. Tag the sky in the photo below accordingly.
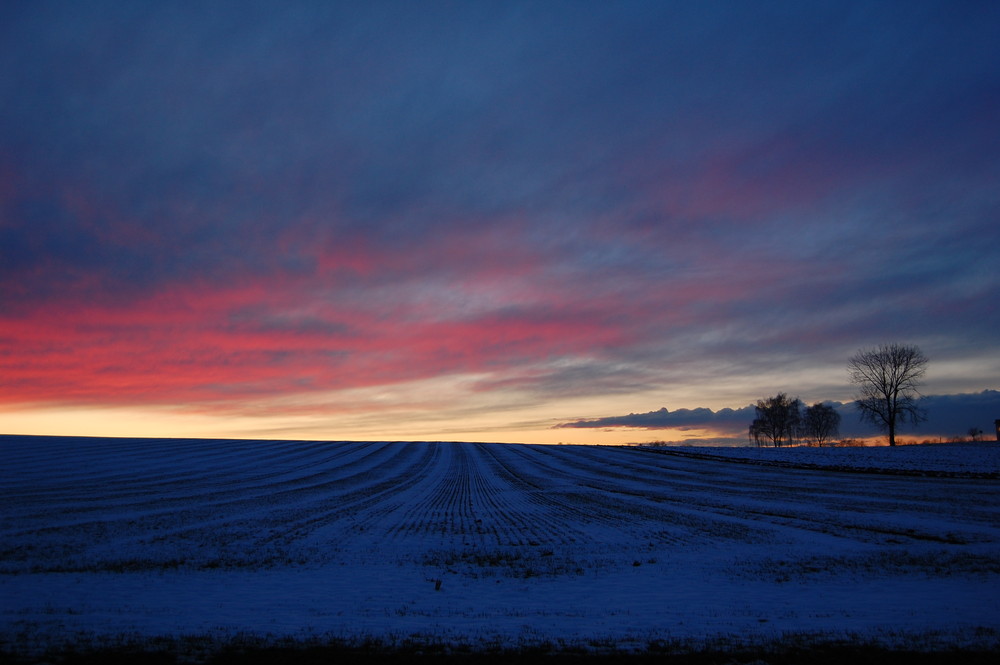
(489, 221)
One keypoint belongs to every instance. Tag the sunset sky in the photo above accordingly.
(482, 221)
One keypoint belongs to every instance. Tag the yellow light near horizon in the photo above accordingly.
(109, 421)
(165, 423)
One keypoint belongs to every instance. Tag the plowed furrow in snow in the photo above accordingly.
(668, 511)
(561, 494)
(162, 495)
(239, 473)
(240, 518)
(762, 499)
(355, 507)
(468, 509)
(504, 509)
(248, 536)
(236, 494)
(534, 498)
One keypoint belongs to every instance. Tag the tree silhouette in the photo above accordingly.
(887, 378)
(821, 423)
(778, 420)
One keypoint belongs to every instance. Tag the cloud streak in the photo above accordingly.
(679, 419)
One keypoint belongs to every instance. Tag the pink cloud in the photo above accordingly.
(201, 343)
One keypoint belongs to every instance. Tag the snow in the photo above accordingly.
(979, 459)
(571, 545)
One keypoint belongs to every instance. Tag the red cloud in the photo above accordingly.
(200, 344)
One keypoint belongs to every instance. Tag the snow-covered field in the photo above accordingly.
(493, 545)
(944, 459)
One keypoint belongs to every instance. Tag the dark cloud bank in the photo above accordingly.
(947, 416)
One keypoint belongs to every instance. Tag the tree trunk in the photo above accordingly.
(892, 432)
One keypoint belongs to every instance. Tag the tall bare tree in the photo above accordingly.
(887, 378)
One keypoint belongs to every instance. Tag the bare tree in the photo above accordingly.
(821, 423)
(887, 378)
(778, 420)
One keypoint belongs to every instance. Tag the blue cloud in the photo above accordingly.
(681, 419)
(948, 416)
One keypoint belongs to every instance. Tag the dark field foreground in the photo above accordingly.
(281, 551)
(794, 651)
